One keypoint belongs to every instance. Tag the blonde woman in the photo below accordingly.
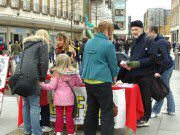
(65, 45)
(33, 64)
(65, 77)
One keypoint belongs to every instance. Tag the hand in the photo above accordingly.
(124, 65)
(157, 75)
(114, 81)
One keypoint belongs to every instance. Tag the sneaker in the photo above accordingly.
(46, 129)
(153, 115)
(59, 133)
(169, 113)
(142, 124)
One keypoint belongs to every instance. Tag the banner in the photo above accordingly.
(4, 62)
(119, 100)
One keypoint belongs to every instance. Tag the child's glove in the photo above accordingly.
(133, 64)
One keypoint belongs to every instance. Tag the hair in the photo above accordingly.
(43, 34)
(65, 38)
(62, 63)
(153, 28)
(105, 25)
(85, 39)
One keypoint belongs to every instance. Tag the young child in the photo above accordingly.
(64, 78)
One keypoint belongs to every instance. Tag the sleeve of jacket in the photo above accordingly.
(112, 60)
(152, 51)
(52, 85)
(43, 61)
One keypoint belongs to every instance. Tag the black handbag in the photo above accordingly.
(159, 89)
(75, 107)
(21, 84)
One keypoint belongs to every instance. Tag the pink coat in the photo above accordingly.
(63, 95)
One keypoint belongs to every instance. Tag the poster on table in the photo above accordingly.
(4, 62)
(119, 100)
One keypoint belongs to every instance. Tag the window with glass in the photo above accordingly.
(58, 8)
(36, 6)
(3, 2)
(45, 6)
(26, 4)
(52, 9)
(15, 3)
(64, 7)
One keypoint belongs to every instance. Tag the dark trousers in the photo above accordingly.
(145, 88)
(99, 96)
(45, 115)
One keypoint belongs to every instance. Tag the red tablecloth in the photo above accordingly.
(134, 106)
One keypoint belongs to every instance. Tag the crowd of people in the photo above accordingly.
(93, 62)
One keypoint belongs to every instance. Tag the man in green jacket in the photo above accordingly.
(99, 71)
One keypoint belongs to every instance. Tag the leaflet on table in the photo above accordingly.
(125, 85)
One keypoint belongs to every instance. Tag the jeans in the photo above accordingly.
(170, 99)
(31, 112)
(99, 96)
(59, 124)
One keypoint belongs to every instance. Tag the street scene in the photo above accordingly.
(89, 67)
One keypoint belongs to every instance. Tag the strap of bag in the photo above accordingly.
(71, 88)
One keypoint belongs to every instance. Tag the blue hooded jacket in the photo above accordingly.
(167, 61)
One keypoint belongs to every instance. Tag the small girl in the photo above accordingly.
(64, 78)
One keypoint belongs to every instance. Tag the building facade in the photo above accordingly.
(101, 10)
(120, 18)
(21, 18)
(175, 23)
(159, 17)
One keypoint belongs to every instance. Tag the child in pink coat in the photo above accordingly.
(63, 76)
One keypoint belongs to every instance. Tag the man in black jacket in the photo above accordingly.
(140, 67)
(164, 71)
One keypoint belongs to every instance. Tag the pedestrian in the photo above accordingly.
(174, 46)
(167, 67)
(99, 71)
(65, 77)
(16, 50)
(127, 46)
(140, 67)
(34, 64)
(51, 53)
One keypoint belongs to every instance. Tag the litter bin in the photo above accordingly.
(177, 61)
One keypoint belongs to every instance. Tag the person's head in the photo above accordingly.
(136, 28)
(152, 31)
(84, 40)
(63, 62)
(43, 34)
(106, 28)
(62, 40)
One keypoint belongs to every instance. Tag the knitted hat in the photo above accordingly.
(136, 23)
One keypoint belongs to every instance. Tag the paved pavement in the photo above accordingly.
(162, 125)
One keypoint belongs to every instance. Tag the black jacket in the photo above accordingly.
(35, 60)
(145, 51)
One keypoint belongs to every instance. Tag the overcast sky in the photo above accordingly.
(137, 8)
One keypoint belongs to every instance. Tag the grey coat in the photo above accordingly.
(35, 60)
